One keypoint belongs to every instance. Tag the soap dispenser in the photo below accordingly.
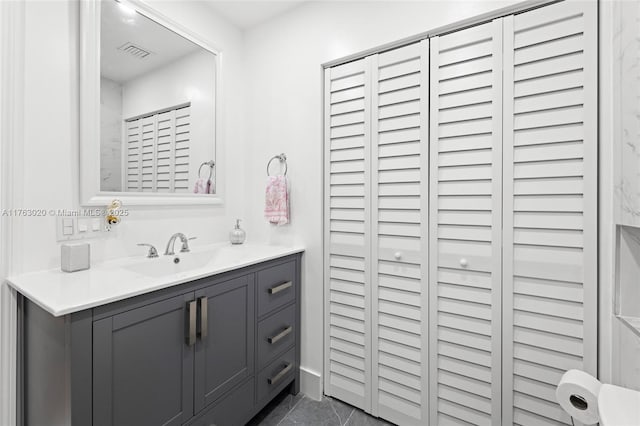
(237, 235)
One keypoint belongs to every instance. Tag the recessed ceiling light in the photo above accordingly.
(129, 11)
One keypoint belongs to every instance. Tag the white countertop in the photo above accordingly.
(61, 293)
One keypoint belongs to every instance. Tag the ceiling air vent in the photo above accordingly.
(134, 50)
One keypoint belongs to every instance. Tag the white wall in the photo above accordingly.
(11, 118)
(51, 137)
(191, 78)
(284, 111)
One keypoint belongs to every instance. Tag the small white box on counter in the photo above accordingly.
(75, 256)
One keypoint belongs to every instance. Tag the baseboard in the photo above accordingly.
(311, 383)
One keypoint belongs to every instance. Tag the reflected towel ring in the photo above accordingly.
(209, 163)
(283, 159)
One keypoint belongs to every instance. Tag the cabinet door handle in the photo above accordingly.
(204, 315)
(191, 335)
(275, 379)
(283, 333)
(278, 288)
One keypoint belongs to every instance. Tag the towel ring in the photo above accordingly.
(283, 159)
(209, 163)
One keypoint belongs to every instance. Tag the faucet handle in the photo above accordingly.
(152, 250)
(185, 245)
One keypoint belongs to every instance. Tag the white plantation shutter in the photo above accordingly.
(158, 148)
(182, 149)
(399, 158)
(550, 184)
(465, 224)
(165, 160)
(347, 238)
(147, 163)
(133, 139)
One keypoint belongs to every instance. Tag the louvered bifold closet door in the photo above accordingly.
(550, 184)
(347, 233)
(465, 226)
(399, 164)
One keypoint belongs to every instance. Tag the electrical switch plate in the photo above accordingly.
(82, 225)
(65, 228)
(78, 227)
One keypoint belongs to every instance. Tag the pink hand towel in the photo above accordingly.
(200, 186)
(276, 208)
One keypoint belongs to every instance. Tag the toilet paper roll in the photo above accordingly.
(577, 394)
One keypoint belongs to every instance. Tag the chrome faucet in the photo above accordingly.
(152, 250)
(185, 244)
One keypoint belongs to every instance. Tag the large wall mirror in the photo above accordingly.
(148, 108)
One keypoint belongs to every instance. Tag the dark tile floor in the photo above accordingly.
(287, 410)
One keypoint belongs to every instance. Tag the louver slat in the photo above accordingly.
(549, 274)
(465, 224)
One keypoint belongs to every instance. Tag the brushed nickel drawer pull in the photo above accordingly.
(278, 288)
(275, 379)
(204, 317)
(283, 333)
(191, 335)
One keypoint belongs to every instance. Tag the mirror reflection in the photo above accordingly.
(157, 97)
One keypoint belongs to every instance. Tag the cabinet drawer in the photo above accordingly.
(276, 287)
(276, 375)
(275, 335)
(231, 410)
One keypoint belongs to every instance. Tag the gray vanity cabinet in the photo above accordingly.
(213, 351)
(142, 366)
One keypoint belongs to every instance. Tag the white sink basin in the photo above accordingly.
(172, 265)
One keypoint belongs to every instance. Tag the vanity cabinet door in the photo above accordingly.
(225, 348)
(143, 364)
